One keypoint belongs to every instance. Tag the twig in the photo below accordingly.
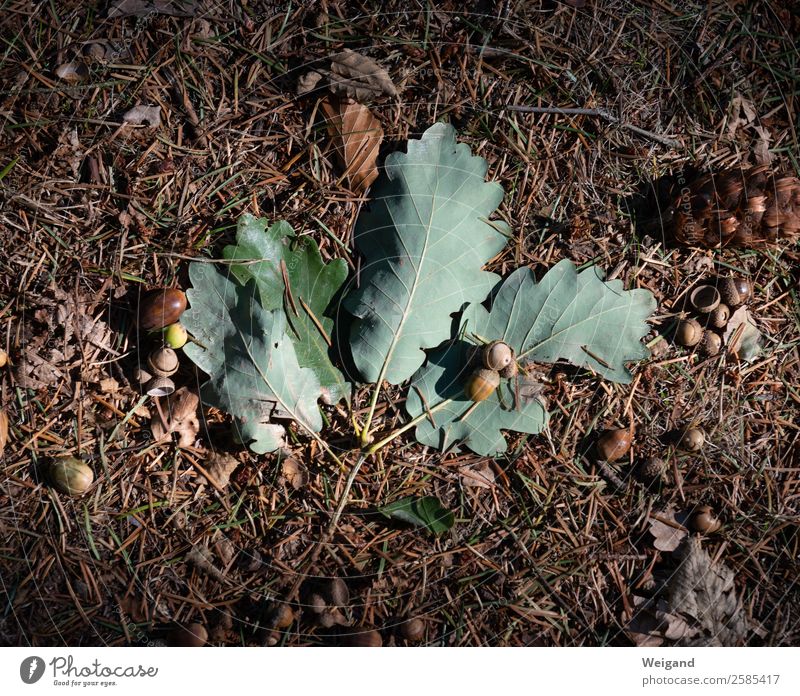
(602, 113)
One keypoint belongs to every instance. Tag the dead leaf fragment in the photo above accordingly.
(202, 558)
(308, 82)
(480, 475)
(704, 593)
(744, 341)
(357, 136)
(72, 72)
(221, 465)
(294, 472)
(141, 114)
(665, 536)
(180, 411)
(359, 77)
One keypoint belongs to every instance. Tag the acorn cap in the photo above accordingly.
(160, 386)
(163, 362)
(705, 298)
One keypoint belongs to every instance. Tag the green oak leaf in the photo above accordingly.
(254, 372)
(425, 239)
(313, 285)
(566, 316)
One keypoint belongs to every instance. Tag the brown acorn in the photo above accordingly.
(413, 629)
(735, 291)
(70, 475)
(614, 444)
(193, 635)
(363, 639)
(711, 344)
(692, 439)
(750, 207)
(719, 317)
(704, 521)
(481, 384)
(163, 362)
(160, 308)
(688, 333)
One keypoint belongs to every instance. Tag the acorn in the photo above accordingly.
(3, 430)
(363, 639)
(413, 630)
(163, 362)
(481, 384)
(70, 475)
(735, 291)
(193, 635)
(282, 615)
(497, 355)
(719, 317)
(159, 386)
(689, 332)
(651, 470)
(175, 336)
(711, 344)
(705, 298)
(336, 593)
(160, 308)
(692, 440)
(704, 521)
(614, 444)
(3, 358)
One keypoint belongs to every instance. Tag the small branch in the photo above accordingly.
(421, 417)
(602, 113)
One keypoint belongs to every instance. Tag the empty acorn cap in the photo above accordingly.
(705, 298)
(160, 386)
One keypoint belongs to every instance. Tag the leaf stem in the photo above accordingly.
(368, 422)
(422, 416)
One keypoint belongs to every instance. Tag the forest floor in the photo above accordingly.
(548, 547)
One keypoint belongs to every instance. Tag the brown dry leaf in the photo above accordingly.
(144, 8)
(3, 430)
(180, 410)
(141, 114)
(479, 475)
(745, 342)
(72, 72)
(704, 593)
(740, 105)
(308, 82)
(202, 559)
(294, 472)
(666, 537)
(652, 623)
(221, 465)
(357, 136)
(761, 149)
(358, 77)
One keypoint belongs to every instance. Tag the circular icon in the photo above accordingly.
(31, 669)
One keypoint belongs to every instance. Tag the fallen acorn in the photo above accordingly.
(193, 635)
(70, 475)
(711, 343)
(688, 333)
(497, 355)
(163, 362)
(481, 384)
(719, 317)
(363, 639)
(614, 444)
(704, 521)
(175, 336)
(3, 358)
(160, 308)
(692, 439)
(735, 291)
(413, 629)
